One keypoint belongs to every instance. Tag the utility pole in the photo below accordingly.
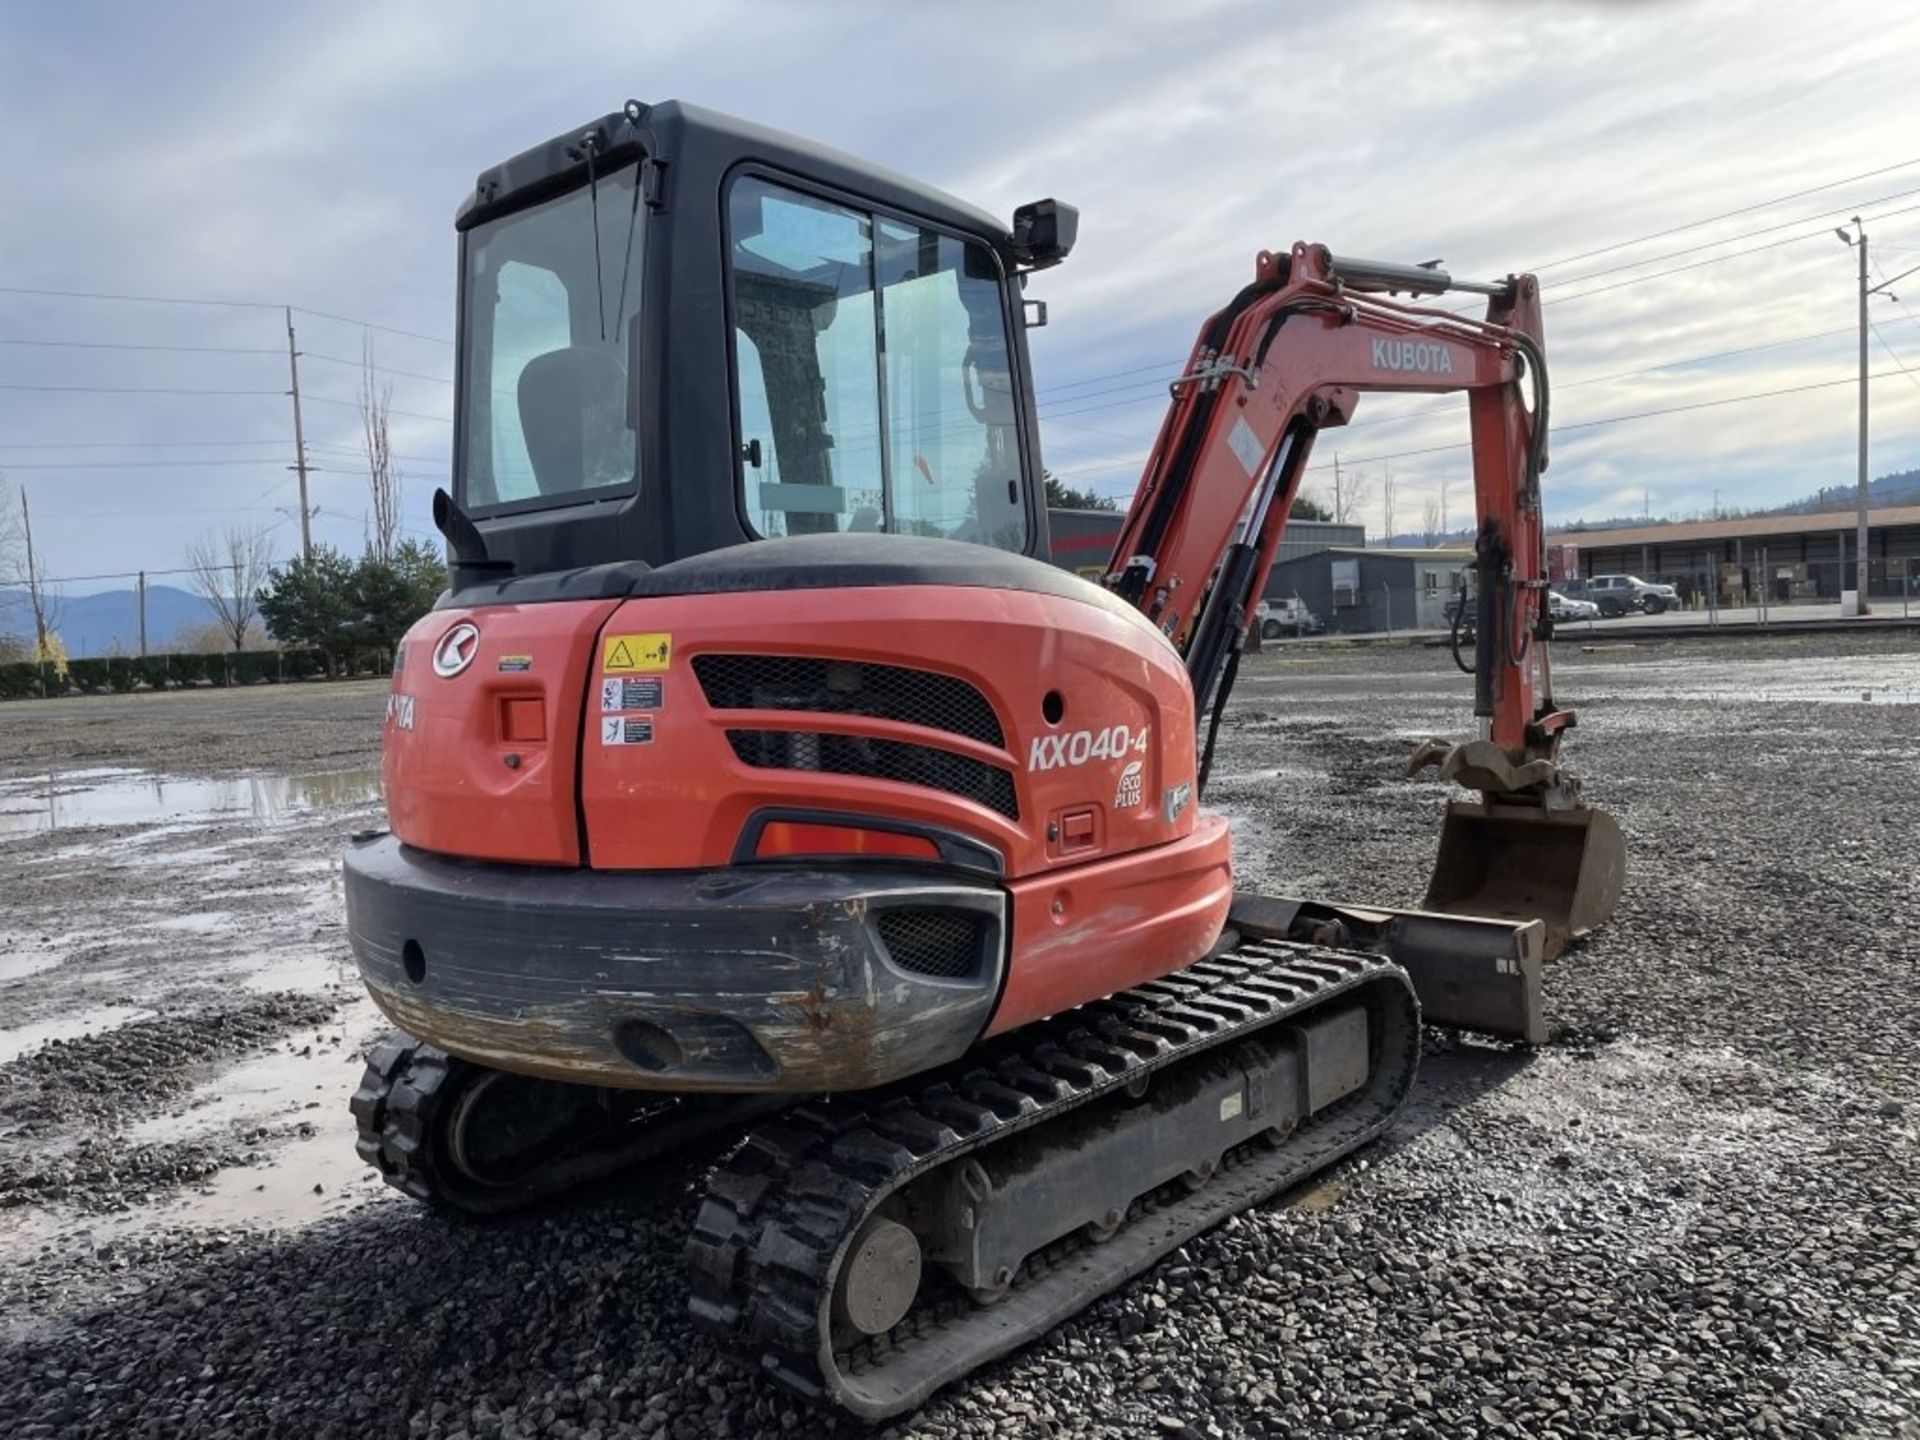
(299, 443)
(1860, 540)
(141, 590)
(1859, 243)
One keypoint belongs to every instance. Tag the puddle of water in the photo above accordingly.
(271, 1090)
(315, 969)
(80, 798)
(281, 1193)
(301, 1102)
(210, 922)
(18, 964)
(22, 1038)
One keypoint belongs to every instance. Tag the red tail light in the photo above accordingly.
(790, 837)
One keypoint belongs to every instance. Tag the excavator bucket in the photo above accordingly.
(1517, 862)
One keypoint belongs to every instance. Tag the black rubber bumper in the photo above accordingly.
(745, 979)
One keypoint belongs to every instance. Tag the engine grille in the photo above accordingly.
(881, 760)
(846, 687)
(941, 943)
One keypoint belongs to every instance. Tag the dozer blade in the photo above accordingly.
(1518, 862)
(1469, 972)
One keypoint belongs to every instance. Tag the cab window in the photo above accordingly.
(875, 385)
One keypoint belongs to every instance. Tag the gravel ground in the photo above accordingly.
(1697, 1211)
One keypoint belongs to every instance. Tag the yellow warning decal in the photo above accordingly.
(635, 652)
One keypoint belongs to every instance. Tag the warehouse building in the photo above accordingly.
(1794, 557)
(1356, 591)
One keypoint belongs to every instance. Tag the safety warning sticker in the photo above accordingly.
(635, 653)
(626, 730)
(617, 693)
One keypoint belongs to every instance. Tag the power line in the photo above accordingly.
(355, 405)
(116, 575)
(1632, 415)
(122, 297)
(129, 444)
(1560, 386)
(1744, 235)
(134, 390)
(1726, 215)
(1714, 260)
(372, 325)
(136, 299)
(1887, 345)
(1093, 379)
(122, 345)
(354, 451)
(1602, 250)
(378, 368)
(138, 464)
(1556, 430)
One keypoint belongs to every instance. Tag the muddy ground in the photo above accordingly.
(1696, 1211)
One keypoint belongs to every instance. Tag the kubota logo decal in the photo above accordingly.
(1077, 747)
(1415, 355)
(456, 650)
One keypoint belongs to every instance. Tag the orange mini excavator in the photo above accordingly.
(757, 774)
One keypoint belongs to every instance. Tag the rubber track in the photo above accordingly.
(394, 1110)
(779, 1215)
(408, 1085)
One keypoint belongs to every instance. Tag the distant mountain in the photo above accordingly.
(1901, 488)
(92, 625)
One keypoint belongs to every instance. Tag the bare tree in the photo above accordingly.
(1351, 491)
(383, 476)
(33, 574)
(1433, 516)
(1389, 492)
(228, 571)
(11, 563)
(1446, 484)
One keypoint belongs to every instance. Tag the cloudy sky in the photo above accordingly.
(313, 156)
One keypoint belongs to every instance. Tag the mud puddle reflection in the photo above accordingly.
(79, 799)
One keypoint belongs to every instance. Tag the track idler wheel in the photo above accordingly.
(878, 1280)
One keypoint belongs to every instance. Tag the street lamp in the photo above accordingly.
(1860, 538)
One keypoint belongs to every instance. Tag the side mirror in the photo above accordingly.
(1044, 232)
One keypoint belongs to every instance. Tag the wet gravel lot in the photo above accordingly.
(1696, 1211)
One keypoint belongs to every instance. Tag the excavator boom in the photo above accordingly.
(1289, 357)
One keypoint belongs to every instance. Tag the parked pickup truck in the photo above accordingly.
(1617, 594)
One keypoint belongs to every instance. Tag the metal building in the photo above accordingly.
(1357, 591)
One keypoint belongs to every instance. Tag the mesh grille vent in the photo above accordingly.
(941, 943)
(845, 687)
(893, 760)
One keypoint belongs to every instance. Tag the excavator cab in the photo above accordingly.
(680, 331)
